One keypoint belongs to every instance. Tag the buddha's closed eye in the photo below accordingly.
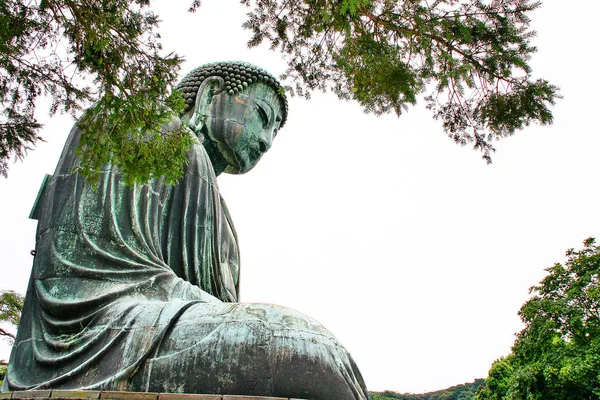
(264, 117)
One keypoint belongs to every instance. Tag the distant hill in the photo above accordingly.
(465, 391)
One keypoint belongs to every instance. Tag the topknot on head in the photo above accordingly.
(238, 75)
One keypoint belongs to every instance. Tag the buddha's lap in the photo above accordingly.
(259, 349)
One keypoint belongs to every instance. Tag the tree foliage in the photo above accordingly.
(3, 370)
(497, 383)
(468, 57)
(557, 354)
(102, 51)
(11, 304)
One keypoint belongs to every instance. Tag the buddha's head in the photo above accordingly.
(236, 109)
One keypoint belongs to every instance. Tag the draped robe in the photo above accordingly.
(127, 279)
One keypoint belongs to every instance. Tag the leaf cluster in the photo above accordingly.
(3, 371)
(468, 58)
(11, 305)
(557, 354)
(105, 52)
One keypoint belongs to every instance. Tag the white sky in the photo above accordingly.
(410, 249)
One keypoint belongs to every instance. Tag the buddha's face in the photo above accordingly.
(243, 125)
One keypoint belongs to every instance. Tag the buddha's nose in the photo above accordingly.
(264, 143)
(265, 139)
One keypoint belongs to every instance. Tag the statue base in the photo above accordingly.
(102, 395)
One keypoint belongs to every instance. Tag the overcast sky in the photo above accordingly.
(410, 249)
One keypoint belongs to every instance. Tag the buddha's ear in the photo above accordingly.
(211, 86)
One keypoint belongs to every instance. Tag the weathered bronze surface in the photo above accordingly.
(136, 288)
(100, 395)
